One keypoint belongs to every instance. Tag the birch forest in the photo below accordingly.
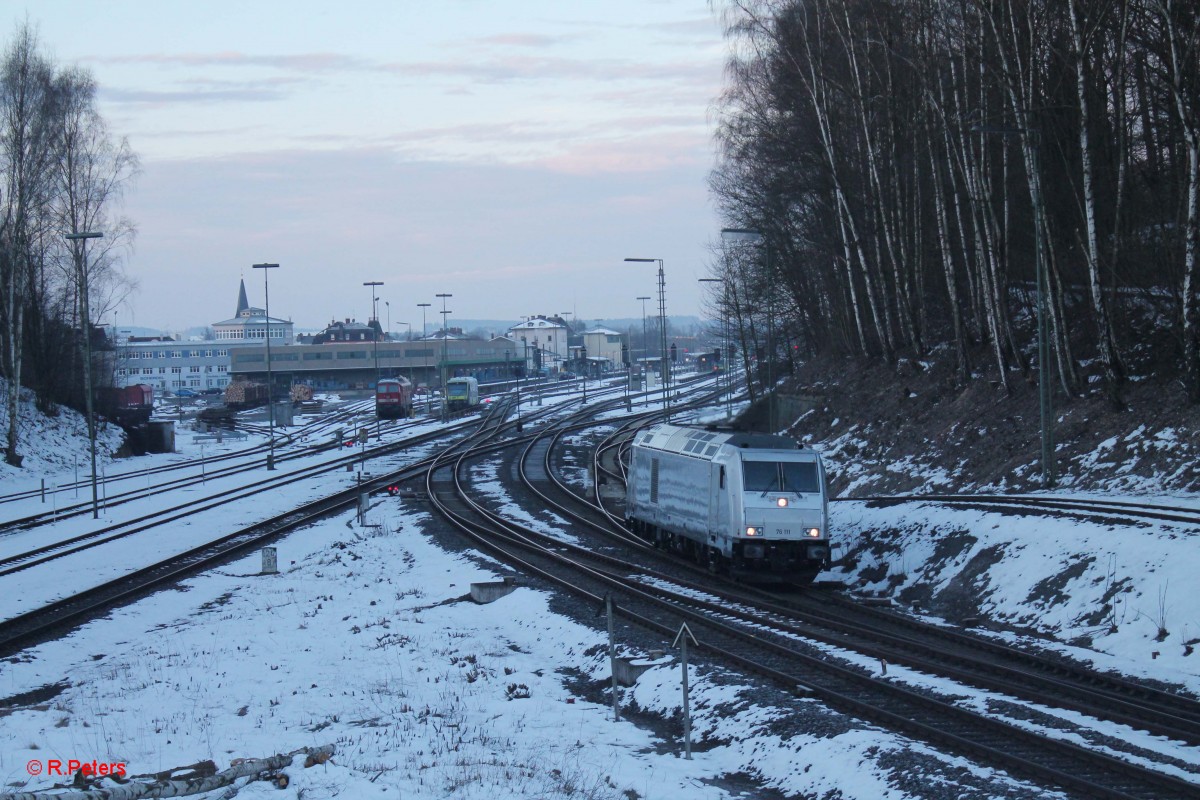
(61, 172)
(909, 164)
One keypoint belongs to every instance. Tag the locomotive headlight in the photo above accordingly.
(781, 502)
(814, 532)
(752, 531)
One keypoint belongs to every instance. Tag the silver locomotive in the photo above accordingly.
(750, 504)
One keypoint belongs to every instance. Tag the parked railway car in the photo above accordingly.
(749, 504)
(393, 398)
(245, 394)
(462, 393)
(126, 405)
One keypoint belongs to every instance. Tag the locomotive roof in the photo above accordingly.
(704, 443)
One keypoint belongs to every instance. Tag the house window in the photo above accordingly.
(162, 370)
(121, 373)
(176, 370)
(193, 369)
(148, 371)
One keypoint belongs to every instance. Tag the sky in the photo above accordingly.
(509, 153)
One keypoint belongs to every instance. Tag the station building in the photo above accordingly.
(341, 365)
(544, 341)
(169, 364)
(603, 347)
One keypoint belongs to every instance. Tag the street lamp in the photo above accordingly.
(425, 353)
(375, 330)
(445, 357)
(411, 377)
(566, 358)
(1045, 398)
(80, 254)
(724, 343)
(662, 329)
(645, 336)
(375, 342)
(756, 237)
(266, 268)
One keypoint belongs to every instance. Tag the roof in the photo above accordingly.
(243, 303)
(704, 443)
(537, 323)
(256, 319)
(603, 331)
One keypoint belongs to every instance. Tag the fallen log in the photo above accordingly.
(133, 789)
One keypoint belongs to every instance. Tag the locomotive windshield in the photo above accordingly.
(786, 476)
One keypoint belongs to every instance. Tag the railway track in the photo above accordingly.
(1103, 510)
(315, 428)
(56, 617)
(779, 641)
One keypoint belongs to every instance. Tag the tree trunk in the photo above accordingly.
(1114, 372)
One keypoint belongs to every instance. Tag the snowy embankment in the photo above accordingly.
(53, 447)
(1119, 595)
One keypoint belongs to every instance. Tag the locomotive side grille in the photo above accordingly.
(654, 481)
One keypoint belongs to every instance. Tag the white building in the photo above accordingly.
(169, 364)
(250, 325)
(546, 340)
(604, 343)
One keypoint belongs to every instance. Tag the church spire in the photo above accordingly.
(243, 303)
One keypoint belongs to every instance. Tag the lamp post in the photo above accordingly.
(374, 330)
(520, 378)
(445, 357)
(80, 254)
(724, 343)
(645, 336)
(662, 330)
(1045, 398)
(266, 268)
(756, 237)
(566, 341)
(375, 342)
(425, 353)
(411, 378)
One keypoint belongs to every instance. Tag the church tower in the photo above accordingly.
(243, 303)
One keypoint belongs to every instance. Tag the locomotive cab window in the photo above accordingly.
(760, 476)
(800, 477)
(787, 476)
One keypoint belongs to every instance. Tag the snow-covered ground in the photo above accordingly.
(366, 641)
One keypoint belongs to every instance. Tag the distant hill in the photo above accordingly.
(133, 330)
(497, 327)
